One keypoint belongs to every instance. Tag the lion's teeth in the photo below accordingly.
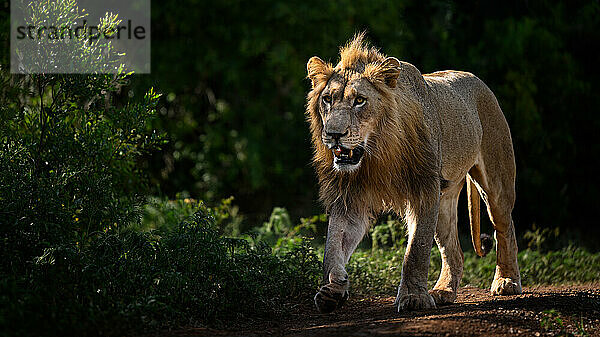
(350, 154)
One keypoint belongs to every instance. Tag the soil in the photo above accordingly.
(475, 313)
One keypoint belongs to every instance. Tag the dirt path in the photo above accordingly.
(475, 313)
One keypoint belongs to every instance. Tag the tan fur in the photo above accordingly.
(422, 135)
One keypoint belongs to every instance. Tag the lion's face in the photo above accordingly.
(349, 104)
(348, 109)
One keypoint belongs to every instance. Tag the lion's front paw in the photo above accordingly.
(505, 286)
(330, 297)
(441, 296)
(415, 302)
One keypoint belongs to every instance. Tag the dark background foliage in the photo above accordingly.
(233, 77)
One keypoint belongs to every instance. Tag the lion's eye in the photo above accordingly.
(327, 99)
(359, 100)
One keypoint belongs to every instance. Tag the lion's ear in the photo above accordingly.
(390, 71)
(318, 70)
(387, 71)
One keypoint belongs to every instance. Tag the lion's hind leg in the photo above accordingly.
(499, 195)
(494, 174)
(446, 237)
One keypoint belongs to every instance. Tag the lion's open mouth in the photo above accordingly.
(344, 156)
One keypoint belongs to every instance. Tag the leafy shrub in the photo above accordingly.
(278, 225)
(160, 214)
(280, 231)
(77, 260)
(137, 281)
(69, 160)
(69, 146)
(72, 263)
(389, 233)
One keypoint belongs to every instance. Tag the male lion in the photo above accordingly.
(387, 138)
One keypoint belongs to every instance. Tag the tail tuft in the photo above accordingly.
(487, 243)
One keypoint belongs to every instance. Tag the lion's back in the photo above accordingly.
(461, 90)
(455, 97)
(455, 85)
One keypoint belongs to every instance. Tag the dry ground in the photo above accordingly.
(475, 313)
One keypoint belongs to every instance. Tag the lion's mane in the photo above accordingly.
(400, 164)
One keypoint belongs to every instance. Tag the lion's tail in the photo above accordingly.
(481, 242)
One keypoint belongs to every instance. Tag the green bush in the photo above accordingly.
(75, 260)
(389, 233)
(69, 160)
(280, 232)
(160, 214)
(137, 281)
(80, 252)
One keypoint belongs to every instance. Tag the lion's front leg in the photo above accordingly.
(412, 291)
(343, 235)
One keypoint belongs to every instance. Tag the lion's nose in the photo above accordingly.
(336, 136)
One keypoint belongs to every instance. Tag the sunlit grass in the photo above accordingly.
(379, 271)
